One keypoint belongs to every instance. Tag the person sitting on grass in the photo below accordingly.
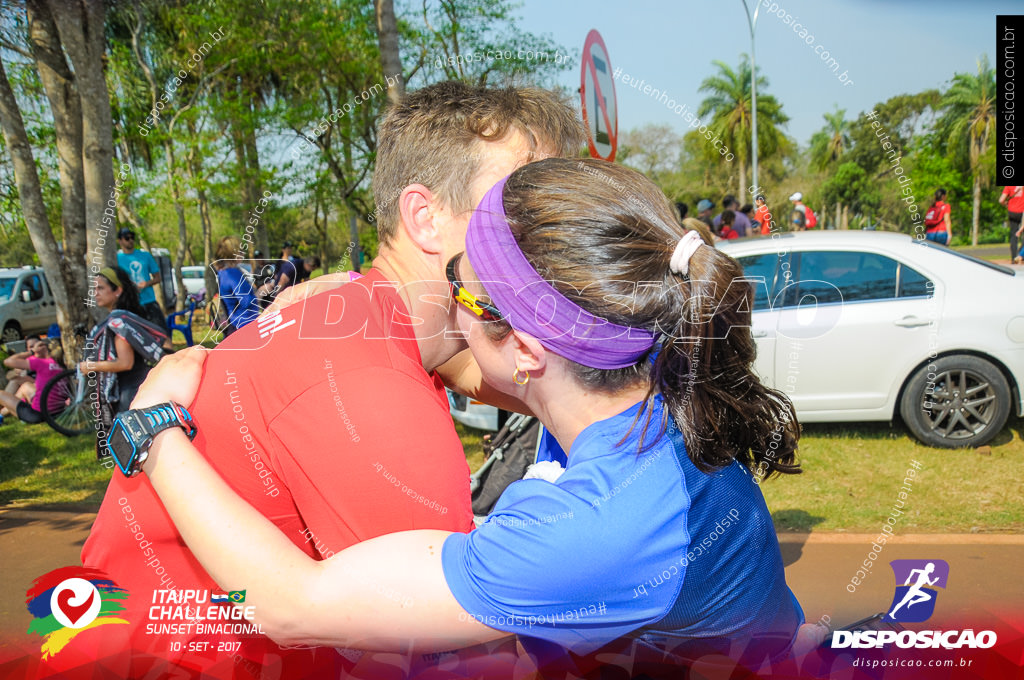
(37, 359)
(656, 403)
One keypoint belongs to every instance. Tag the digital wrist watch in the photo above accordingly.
(132, 433)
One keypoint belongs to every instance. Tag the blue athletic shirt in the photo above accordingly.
(623, 541)
(140, 266)
(238, 295)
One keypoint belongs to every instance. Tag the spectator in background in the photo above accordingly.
(285, 275)
(123, 342)
(937, 222)
(693, 224)
(38, 360)
(1013, 199)
(727, 233)
(763, 216)
(801, 217)
(704, 207)
(741, 224)
(144, 273)
(234, 287)
(304, 268)
(748, 211)
(682, 209)
(19, 382)
(288, 252)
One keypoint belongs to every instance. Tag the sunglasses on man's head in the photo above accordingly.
(484, 310)
(128, 237)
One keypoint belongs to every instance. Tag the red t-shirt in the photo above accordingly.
(323, 418)
(1016, 202)
(728, 232)
(942, 209)
(764, 216)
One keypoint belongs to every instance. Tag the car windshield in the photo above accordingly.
(7, 287)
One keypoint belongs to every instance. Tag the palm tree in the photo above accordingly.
(969, 121)
(729, 106)
(828, 145)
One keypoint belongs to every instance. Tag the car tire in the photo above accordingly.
(11, 332)
(935, 409)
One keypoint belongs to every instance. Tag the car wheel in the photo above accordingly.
(12, 332)
(956, 401)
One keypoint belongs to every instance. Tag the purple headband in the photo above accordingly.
(532, 305)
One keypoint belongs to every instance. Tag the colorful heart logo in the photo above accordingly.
(74, 612)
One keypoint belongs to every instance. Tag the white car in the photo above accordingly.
(26, 304)
(194, 278)
(858, 325)
(866, 325)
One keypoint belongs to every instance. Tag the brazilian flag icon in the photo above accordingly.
(237, 596)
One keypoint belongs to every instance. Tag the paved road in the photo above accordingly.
(984, 570)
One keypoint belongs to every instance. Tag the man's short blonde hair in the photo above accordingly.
(435, 135)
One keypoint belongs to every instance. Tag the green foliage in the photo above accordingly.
(851, 186)
(829, 143)
(480, 42)
(729, 104)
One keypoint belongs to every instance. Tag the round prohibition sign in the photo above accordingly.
(597, 94)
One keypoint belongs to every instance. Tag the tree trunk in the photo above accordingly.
(975, 211)
(387, 40)
(839, 213)
(179, 209)
(66, 290)
(80, 24)
(253, 175)
(846, 217)
(66, 108)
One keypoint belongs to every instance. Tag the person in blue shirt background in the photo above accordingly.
(234, 287)
(144, 273)
(656, 529)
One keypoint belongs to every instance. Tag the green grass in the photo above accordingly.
(40, 468)
(853, 473)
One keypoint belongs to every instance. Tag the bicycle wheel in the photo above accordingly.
(75, 416)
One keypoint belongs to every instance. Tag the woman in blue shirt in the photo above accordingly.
(580, 295)
(234, 287)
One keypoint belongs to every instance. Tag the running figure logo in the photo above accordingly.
(914, 601)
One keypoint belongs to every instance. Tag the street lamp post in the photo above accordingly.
(752, 23)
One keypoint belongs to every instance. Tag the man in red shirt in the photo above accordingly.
(328, 416)
(763, 215)
(1013, 199)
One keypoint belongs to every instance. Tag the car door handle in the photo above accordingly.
(759, 333)
(912, 322)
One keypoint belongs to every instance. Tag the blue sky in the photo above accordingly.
(887, 47)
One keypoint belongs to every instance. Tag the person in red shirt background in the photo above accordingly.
(763, 215)
(727, 232)
(330, 416)
(937, 222)
(1013, 199)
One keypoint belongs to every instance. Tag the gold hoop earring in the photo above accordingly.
(516, 377)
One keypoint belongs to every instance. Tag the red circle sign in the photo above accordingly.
(597, 93)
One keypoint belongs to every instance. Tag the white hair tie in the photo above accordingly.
(687, 246)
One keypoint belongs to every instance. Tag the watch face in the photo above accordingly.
(122, 447)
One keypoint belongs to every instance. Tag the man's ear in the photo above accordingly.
(529, 354)
(417, 207)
